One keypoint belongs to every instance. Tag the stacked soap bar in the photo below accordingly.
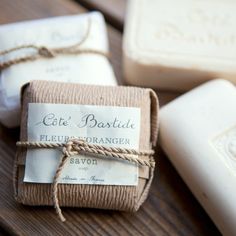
(87, 68)
(179, 44)
(198, 133)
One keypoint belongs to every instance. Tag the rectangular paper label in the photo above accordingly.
(103, 125)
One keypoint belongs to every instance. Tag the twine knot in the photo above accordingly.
(67, 148)
(77, 146)
(45, 52)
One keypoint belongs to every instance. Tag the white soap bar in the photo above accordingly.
(53, 33)
(198, 134)
(179, 44)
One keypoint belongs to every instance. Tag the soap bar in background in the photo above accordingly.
(179, 44)
(53, 33)
(198, 134)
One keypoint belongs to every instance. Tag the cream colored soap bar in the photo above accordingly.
(53, 33)
(179, 44)
(198, 134)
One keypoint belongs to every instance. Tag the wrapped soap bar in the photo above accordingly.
(198, 134)
(120, 117)
(179, 44)
(51, 39)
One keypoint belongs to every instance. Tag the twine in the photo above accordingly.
(47, 53)
(78, 146)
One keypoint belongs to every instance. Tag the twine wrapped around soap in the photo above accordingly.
(78, 146)
(47, 53)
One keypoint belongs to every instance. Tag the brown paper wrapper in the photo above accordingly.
(125, 198)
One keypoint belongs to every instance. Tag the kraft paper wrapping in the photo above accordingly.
(125, 198)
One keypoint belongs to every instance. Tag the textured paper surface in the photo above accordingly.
(104, 125)
(125, 198)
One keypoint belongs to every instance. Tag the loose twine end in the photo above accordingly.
(77, 146)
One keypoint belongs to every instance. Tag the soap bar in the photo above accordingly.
(179, 44)
(86, 68)
(198, 134)
(95, 194)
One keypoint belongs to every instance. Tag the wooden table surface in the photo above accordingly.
(170, 209)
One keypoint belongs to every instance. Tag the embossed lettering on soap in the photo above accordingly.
(198, 28)
(225, 144)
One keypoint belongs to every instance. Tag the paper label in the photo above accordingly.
(103, 125)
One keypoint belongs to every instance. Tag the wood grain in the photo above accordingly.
(114, 11)
(170, 209)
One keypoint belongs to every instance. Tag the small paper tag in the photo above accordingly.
(103, 125)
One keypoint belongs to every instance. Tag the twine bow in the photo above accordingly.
(78, 146)
(47, 53)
